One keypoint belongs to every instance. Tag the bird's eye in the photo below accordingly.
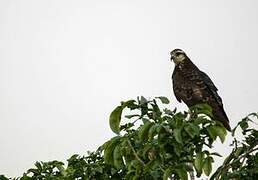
(178, 53)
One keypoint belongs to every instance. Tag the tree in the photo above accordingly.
(154, 142)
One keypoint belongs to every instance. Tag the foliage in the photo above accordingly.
(242, 162)
(155, 143)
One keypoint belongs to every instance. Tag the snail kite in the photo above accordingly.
(192, 86)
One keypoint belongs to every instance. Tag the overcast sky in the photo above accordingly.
(65, 65)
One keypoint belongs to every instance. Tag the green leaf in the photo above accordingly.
(143, 100)
(109, 149)
(38, 165)
(201, 120)
(99, 169)
(34, 171)
(131, 116)
(162, 134)
(198, 163)
(118, 161)
(144, 120)
(135, 164)
(143, 106)
(61, 169)
(221, 132)
(178, 136)
(130, 104)
(24, 177)
(130, 175)
(177, 148)
(2, 177)
(115, 118)
(179, 117)
(168, 172)
(212, 132)
(156, 113)
(182, 173)
(144, 129)
(202, 109)
(149, 166)
(239, 151)
(163, 99)
(207, 165)
(192, 130)
(169, 112)
(152, 131)
(243, 124)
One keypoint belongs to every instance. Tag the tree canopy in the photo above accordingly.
(154, 142)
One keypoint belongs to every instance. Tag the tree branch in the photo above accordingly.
(227, 166)
(135, 154)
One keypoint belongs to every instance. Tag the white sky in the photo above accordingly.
(64, 66)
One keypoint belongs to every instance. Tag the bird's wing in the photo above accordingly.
(218, 110)
(208, 81)
(176, 90)
(211, 86)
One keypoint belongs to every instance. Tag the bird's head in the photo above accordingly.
(178, 56)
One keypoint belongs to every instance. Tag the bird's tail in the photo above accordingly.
(220, 115)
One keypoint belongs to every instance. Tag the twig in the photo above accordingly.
(227, 166)
(135, 154)
(191, 175)
(191, 171)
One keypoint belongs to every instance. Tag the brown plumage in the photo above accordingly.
(193, 86)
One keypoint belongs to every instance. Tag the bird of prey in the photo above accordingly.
(192, 86)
